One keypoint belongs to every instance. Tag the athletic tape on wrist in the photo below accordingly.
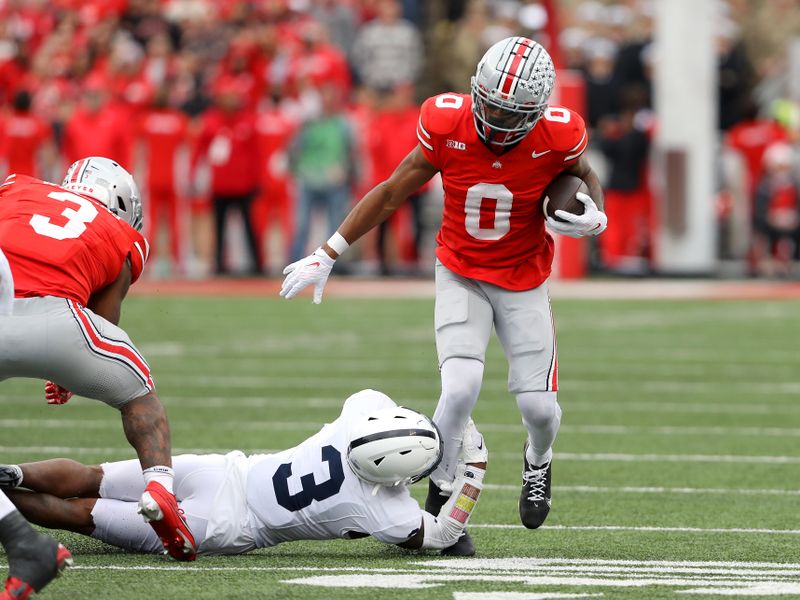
(159, 470)
(338, 244)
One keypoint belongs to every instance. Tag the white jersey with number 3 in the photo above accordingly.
(309, 491)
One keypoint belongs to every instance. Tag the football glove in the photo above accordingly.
(313, 269)
(593, 221)
(55, 394)
(473, 449)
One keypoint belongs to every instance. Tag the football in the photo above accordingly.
(561, 195)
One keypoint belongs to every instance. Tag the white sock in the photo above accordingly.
(160, 474)
(538, 460)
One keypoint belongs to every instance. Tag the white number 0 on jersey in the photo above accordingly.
(76, 219)
(502, 211)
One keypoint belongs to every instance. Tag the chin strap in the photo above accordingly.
(443, 530)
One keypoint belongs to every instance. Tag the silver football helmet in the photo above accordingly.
(394, 446)
(107, 182)
(510, 90)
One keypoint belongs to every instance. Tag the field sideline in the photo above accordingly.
(675, 476)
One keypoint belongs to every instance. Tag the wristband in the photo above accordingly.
(338, 244)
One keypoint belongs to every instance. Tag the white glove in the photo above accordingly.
(313, 269)
(474, 449)
(592, 222)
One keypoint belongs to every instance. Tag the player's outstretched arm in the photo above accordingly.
(374, 208)
(444, 530)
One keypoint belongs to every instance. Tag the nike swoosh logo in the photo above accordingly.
(535, 154)
(480, 446)
(314, 264)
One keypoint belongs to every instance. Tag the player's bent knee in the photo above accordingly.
(538, 409)
(82, 515)
(461, 380)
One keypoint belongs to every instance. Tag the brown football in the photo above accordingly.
(560, 195)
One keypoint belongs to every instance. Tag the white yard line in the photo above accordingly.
(509, 564)
(593, 489)
(693, 458)
(677, 430)
(574, 383)
(644, 529)
(273, 402)
(570, 456)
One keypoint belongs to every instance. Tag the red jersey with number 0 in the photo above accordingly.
(61, 244)
(493, 226)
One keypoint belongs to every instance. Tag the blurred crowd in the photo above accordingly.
(253, 125)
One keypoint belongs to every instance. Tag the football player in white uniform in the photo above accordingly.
(349, 480)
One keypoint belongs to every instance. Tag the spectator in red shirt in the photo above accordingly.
(97, 128)
(227, 141)
(162, 134)
(751, 138)
(318, 62)
(24, 138)
(392, 135)
(275, 128)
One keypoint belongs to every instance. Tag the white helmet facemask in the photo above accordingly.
(510, 90)
(107, 182)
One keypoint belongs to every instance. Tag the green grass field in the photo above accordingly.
(678, 462)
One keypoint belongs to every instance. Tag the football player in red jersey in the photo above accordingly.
(496, 151)
(74, 250)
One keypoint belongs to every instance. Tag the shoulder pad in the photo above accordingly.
(440, 114)
(565, 131)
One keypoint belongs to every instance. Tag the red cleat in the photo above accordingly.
(17, 589)
(160, 509)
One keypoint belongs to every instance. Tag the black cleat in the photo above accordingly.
(10, 476)
(433, 504)
(463, 547)
(534, 501)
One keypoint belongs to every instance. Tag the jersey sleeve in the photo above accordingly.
(139, 252)
(396, 516)
(570, 137)
(423, 134)
(438, 116)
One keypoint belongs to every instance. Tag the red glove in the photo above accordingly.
(55, 394)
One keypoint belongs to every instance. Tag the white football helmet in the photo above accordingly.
(394, 446)
(510, 90)
(107, 182)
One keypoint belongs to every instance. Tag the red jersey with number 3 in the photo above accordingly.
(59, 243)
(493, 226)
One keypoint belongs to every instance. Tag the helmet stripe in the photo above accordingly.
(382, 435)
(77, 170)
(523, 63)
(511, 75)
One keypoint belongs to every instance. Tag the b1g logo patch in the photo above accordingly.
(456, 144)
